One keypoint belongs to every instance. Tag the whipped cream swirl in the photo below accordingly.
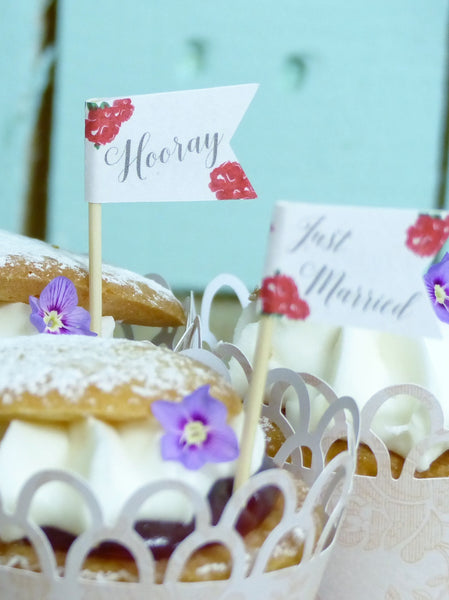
(114, 460)
(358, 363)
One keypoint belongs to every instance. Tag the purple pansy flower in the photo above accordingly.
(196, 431)
(56, 310)
(437, 284)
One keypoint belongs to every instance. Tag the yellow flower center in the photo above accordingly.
(440, 294)
(195, 433)
(53, 321)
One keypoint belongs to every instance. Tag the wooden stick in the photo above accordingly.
(253, 407)
(95, 262)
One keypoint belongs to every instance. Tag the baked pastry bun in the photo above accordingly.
(27, 265)
(95, 398)
(67, 377)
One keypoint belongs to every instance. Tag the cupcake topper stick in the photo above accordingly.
(95, 277)
(279, 296)
(254, 400)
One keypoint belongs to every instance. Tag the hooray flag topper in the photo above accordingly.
(172, 146)
(166, 147)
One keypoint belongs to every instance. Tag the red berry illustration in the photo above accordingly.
(279, 295)
(103, 122)
(124, 109)
(427, 235)
(229, 182)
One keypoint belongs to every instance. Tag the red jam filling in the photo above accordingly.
(162, 537)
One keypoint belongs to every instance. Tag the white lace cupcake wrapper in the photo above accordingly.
(330, 487)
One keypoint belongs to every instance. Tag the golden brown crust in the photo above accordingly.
(366, 462)
(27, 266)
(63, 378)
(439, 468)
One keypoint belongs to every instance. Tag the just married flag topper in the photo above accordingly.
(165, 147)
(345, 265)
(357, 266)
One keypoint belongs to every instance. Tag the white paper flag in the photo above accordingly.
(354, 266)
(166, 147)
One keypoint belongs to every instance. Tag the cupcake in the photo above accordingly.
(380, 359)
(396, 520)
(149, 439)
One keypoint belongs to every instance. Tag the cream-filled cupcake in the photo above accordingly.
(121, 414)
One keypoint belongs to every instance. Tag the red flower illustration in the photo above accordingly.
(428, 235)
(229, 182)
(279, 295)
(123, 109)
(103, 122)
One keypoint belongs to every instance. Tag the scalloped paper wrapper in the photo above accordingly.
(394, 540)
(328, 493)
(393, 543)
(175, 338)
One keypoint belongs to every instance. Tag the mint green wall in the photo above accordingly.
(349, 110)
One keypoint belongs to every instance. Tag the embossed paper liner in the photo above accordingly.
(394, 540)
(327, 497)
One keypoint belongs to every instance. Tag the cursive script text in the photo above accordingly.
(331, 287)
(144, 157)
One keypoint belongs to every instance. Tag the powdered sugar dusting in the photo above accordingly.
(209, 569)
(121, 575)
(15, 248)
(44, 363)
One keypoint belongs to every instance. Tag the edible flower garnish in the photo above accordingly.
(56, 311)
(196, 431)
(437, 284)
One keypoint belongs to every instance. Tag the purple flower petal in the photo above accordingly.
(437, 283)
(56, 311)
(171, 448)
(441, 311)
(38, 322)
(171, 415)
(196, 430)
(439, 270)
(204, 407)
(35, 306)
(221, 445)
(36, 316)
(77, 321)
(60, 295)
(193, 458)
